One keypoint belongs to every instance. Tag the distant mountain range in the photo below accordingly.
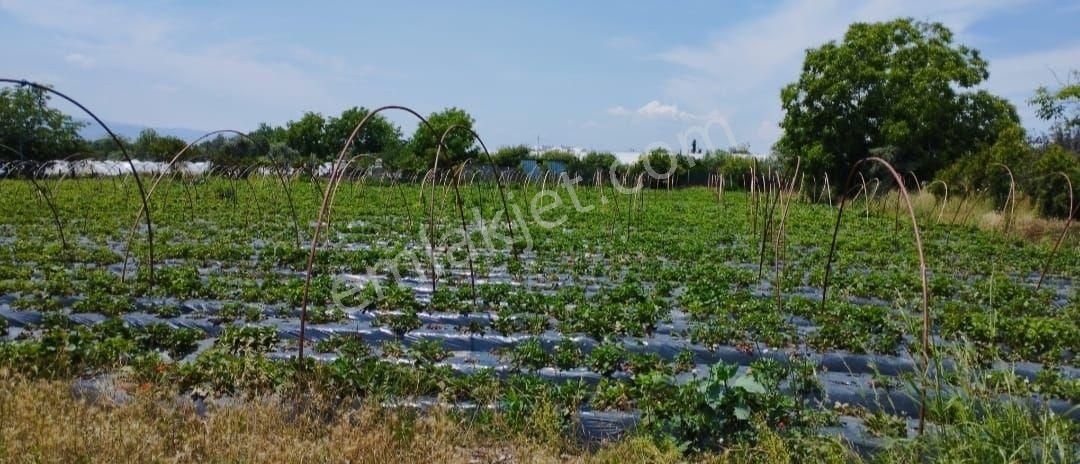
(92, 131)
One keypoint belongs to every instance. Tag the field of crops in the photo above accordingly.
(689, 312)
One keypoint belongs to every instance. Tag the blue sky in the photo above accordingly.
(602, 75)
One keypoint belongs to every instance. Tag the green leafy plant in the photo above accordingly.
(529, 354)
(401, 323)
(346, 345)
(880, 424)
(567, 354)
(427, 352)
(247, 340)
(612, 395)
(606, 358)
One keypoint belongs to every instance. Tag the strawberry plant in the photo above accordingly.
(529, 354)
(607, 358)
(401, 323)
(566, 355)
(247, 340)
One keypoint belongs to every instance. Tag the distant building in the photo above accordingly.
(535, 169)
(555, 167)
(530, 167)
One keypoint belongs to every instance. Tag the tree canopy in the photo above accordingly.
(597, 161)
(511, 157)
(306, 136)
(150, 145)
(30, 130)
(1061, 107)
(378, 136)
(897, 89)
(460, 144)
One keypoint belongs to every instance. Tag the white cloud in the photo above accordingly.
(146, 56)
(652, 110)
(707, 131)
(80, 60)
(655, 109)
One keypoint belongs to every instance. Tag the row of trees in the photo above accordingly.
(31, 130)
(34, 131)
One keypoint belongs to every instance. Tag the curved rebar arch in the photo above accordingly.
(770, 209)
(430, 173)
(965, 192)
(404, 200)
(333, 194)
(543, 182)
(46, 194)
(922, 268)
(918, 185)
(1011, 200)
(286, 179)
(828, 189)
(1065, 231)
(865, 193)
(123, 150)
(971, 207)
(325, 205)
(165, 171)
(12, 166)
(246, 173)
(751, 204)
(431, 204)
(16, 166)
(944, 201)
(465, 231)
(778, 253)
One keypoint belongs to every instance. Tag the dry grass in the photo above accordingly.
(1026, 222)
(42, 421)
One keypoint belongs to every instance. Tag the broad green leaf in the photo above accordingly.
(742, 413)
(748, 384)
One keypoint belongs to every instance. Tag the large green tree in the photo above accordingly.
(597, 161)
(1059, 148)
(899, 89)
(1061, 107)
(105, 147)
(306, 136)
(511, 157)
(983, 171)
(150, 145)
(379, 136)
(233, 152)
(460, 144)
(265, 134)
(31, 130)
